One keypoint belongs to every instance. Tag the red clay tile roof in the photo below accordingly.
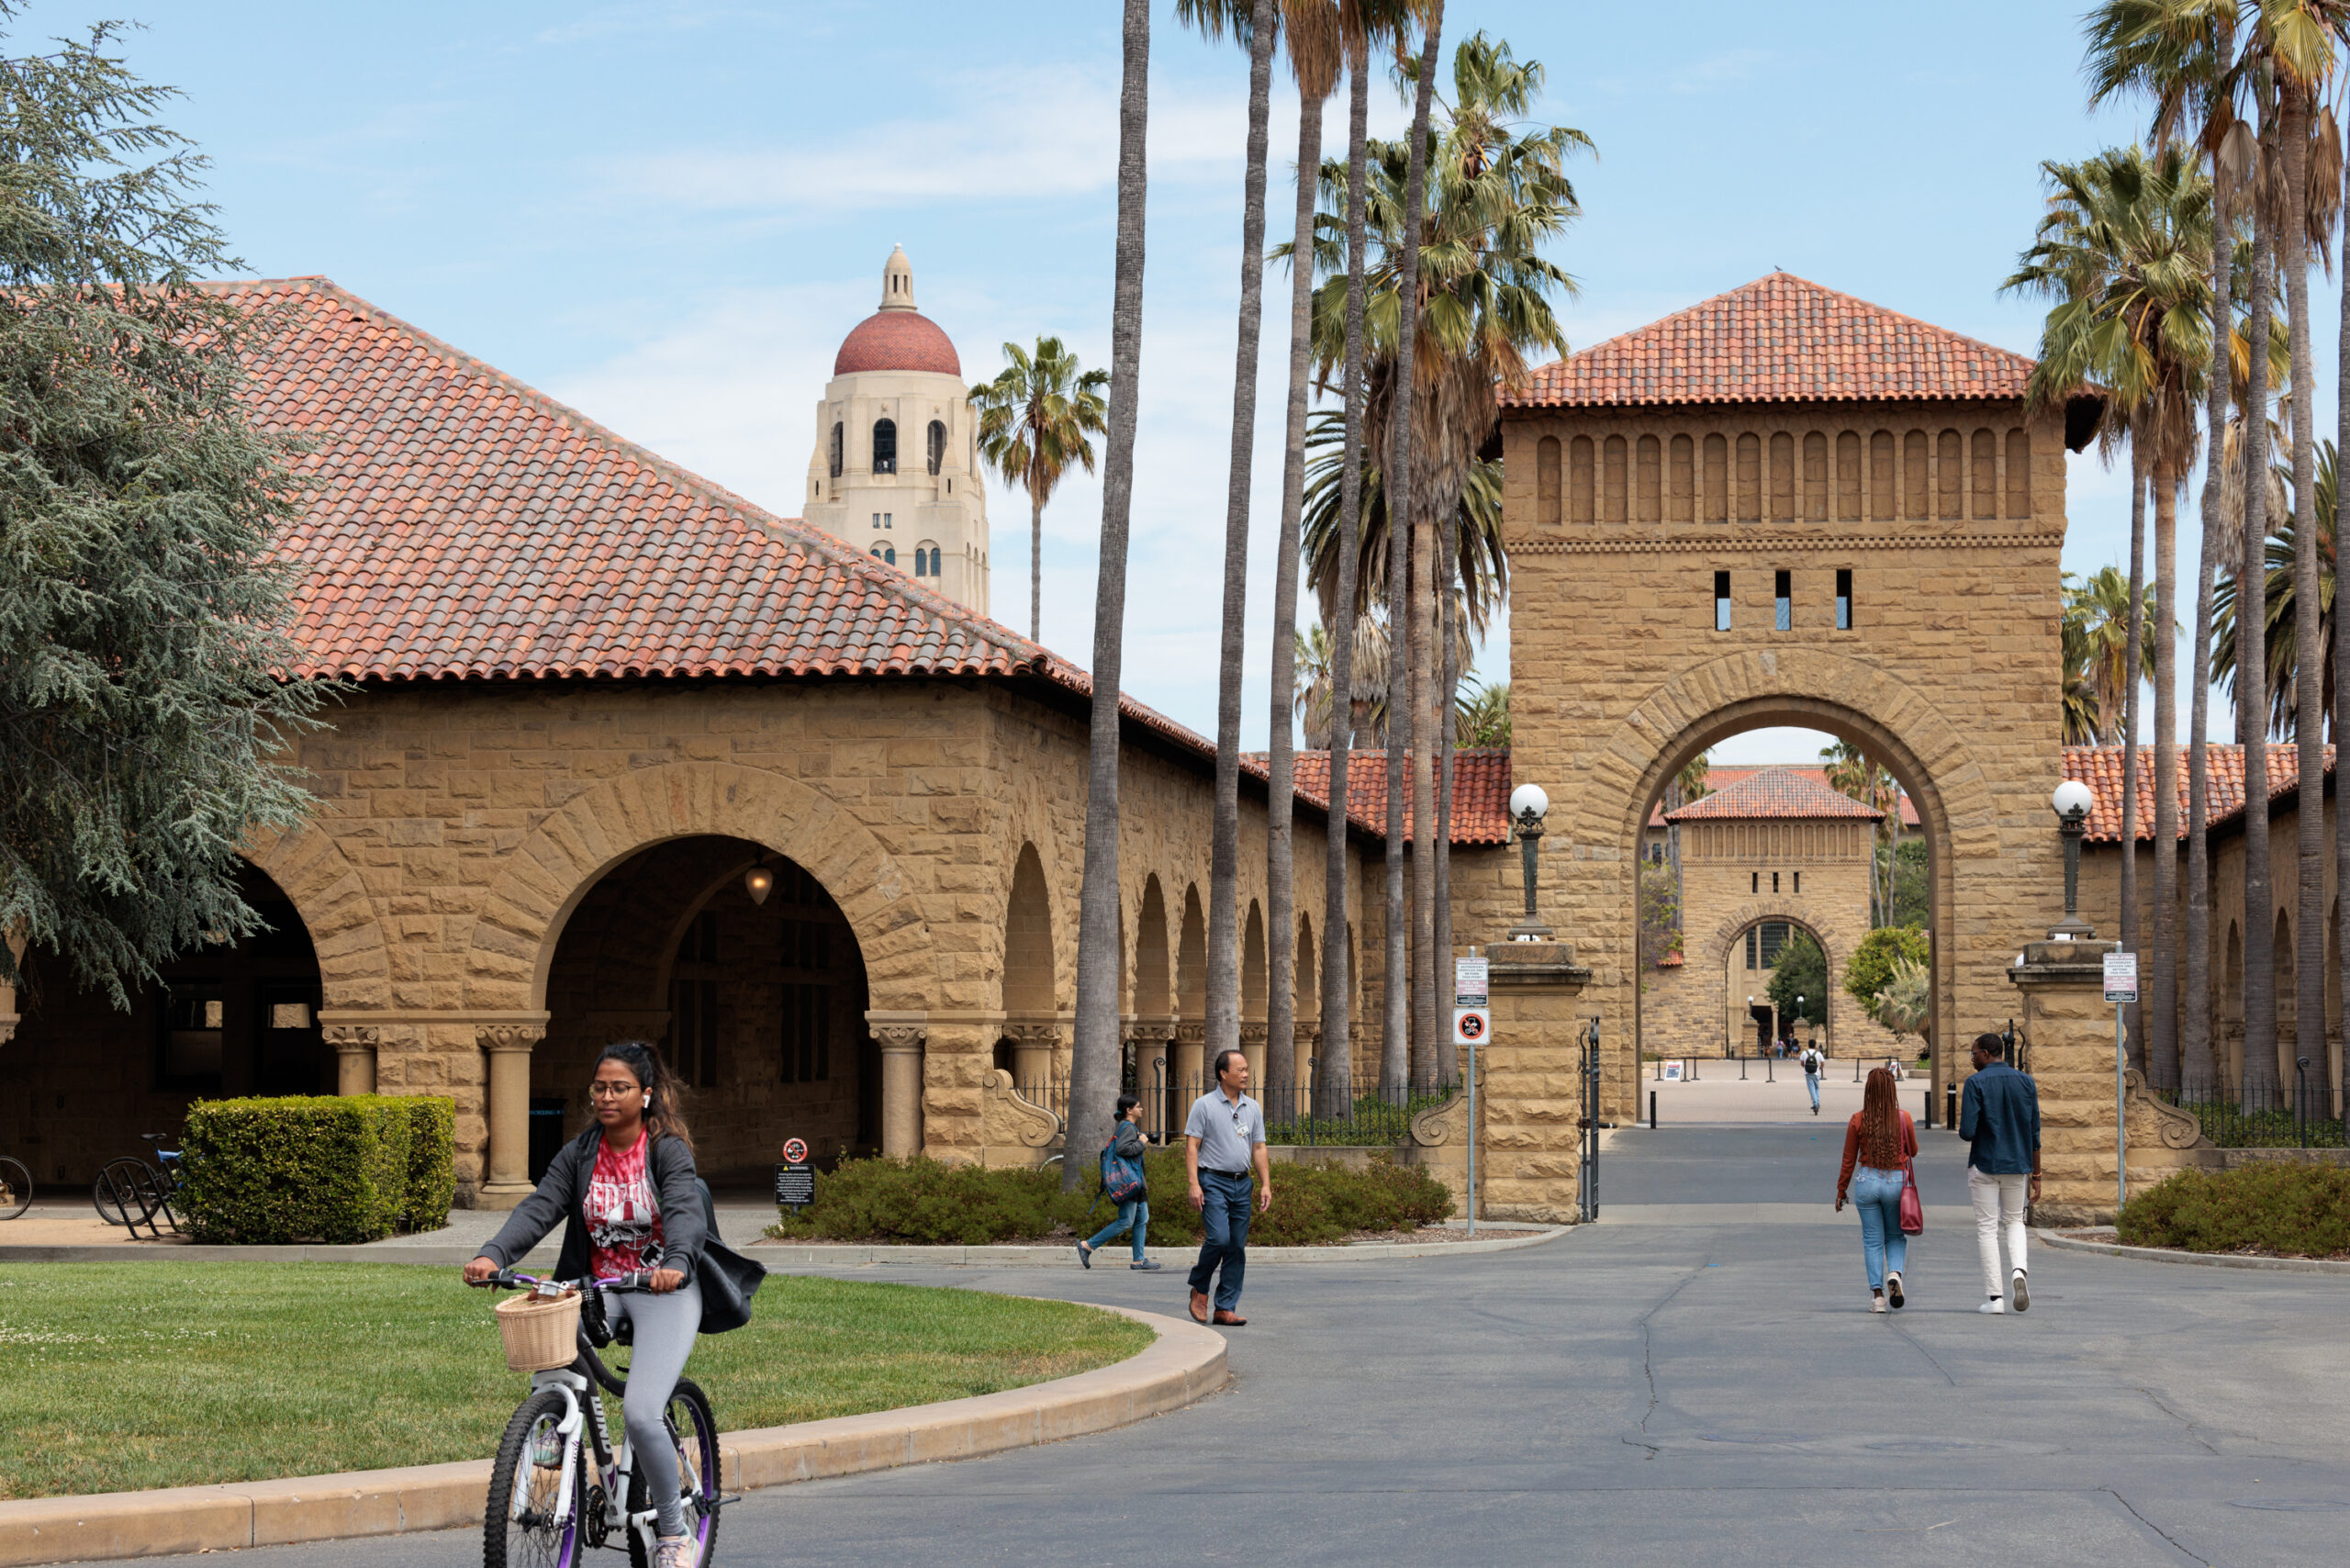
(2099, 768)
(1721, 776)
(1780, 339)
(1774, 793)
(1480, 790)
(897, 340)
(1671, 961)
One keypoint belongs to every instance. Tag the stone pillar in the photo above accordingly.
(1254, 1039)
(1187, 1066)
(354, 1057)
(1153, 1043)
(901, 1041)
(507, 1046)
(958, 1057)
(2069, 1025)
(1530, 1104)
(1033, 1044)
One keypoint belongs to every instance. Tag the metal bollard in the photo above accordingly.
(1689, 1068)
(1928, 1097)
(1950, 1105)
(1741, 1066)
(1651, 1110)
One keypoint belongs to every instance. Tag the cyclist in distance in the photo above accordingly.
(626, 1193)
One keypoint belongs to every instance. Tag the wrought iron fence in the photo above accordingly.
(2301, 1115)
(1298, 1114)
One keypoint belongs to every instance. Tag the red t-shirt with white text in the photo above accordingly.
(623, 1213)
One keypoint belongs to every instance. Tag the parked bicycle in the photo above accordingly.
(131, 1192)
(15, 1188)
(558, 1486)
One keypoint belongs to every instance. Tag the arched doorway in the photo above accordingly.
(756, 1001)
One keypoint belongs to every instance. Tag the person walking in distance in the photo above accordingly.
(1879, 1142)
(1134, 1213)
(1223, 1137)
(1999, 1119)
(1811, 1065)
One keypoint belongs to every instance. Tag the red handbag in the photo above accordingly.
(1913, 1208)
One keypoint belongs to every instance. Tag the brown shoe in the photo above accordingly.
(1231, 1321)
(1199, 1306)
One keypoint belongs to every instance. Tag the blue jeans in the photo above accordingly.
(1134, 1215)
(1225, 1217)
(1811, 1082)
(1877, 1195)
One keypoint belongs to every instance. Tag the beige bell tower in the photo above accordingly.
(895, 470)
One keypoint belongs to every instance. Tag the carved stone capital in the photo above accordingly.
(498, 1037)
(348, 1038)
(897, 1037)
(9, 1022)
(1255, 1034)
(1030, 1032)
(1148, 1030)
(1191, 1033)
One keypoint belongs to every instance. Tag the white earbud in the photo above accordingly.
(648, 1102)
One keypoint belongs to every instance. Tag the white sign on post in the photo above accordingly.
(1471, 1025)
(2121, 977)
(1471, 981)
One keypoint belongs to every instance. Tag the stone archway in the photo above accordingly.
(354, 968)
(1721, 945)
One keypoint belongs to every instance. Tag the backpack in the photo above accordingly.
(1120, 1179)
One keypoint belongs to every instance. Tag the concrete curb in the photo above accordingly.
(1183, 1365)
(2207, 1259)
(1057, 1255)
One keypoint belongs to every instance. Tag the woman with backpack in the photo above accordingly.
(1879, 1143)
(1121, 1163)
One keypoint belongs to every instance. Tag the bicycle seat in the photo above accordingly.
(153, 1138)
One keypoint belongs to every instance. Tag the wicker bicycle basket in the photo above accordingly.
(541, 1335)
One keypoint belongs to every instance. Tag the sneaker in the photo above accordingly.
(1146, 1266)
(1084, 1255)
(1893, 1288)
(675, 1551)
(1876, 1302)
(2021, 1291)
(1994, 1307)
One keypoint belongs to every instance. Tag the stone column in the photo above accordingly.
(1033, 1044)
(507, 1046)
(901, 1045)
(354, 1057)
(1153, 1041)
(958, 1057)
(1254, 1039)
(1530, 1104)
(1186, 1065)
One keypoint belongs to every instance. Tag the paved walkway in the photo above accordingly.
(1654, 1394)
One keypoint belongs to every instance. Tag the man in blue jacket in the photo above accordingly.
(1999, 1117)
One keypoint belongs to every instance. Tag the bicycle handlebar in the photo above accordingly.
(636, 1281)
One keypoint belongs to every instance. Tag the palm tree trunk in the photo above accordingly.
(2136, 633)
(1334, 1068)
(1448, 634)
(2341, 1063)
(2196, 1062)
(1037, 551)
(1280, 897)
(1404, 415)
(1094, 1066)
(2162, 1032)
(2259, 1066)
(2309, 667)
(1224, 848)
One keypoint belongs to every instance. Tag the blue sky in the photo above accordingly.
(669, 212)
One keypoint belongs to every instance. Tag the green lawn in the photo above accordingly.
(115, 1376)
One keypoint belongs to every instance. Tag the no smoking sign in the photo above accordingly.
(1472, 1025)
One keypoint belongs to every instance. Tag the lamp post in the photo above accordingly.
(1528, 806)
(2071, 802)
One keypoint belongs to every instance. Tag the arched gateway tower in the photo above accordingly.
(1783, 506)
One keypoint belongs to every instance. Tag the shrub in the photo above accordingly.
(2293, 1209)
(306, 1168)
(1870, 969)
(432, 1160)
(922, 1201)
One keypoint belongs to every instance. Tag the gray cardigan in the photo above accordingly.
(562, 1195)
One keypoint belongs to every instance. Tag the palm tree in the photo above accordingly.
(1481, 562)
(1253, 21)
(2125, 253)
(2098, 607)
(2080, 696)
(1311, 27)
(1853, 772)
(1038, 415)
(1094, 1058)
(1317, 680)
(2282, 638)
(1482, 715)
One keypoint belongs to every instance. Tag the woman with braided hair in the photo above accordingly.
(1879, 1142)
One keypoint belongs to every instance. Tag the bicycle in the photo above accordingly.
(15, 1188)
(550, 1497)
(130, 1192)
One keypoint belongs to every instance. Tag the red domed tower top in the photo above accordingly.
(898, 336)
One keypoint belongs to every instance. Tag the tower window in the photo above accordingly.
(876, 520)
(1774, 881)
(1755, 883)
(1783, 594)
(937, 445)
(886, 555)
(1722, 601)
(885, 446)
(1774, 942)
(1844, 599)
(836, 449)
(1750, 956)
(1798, 881)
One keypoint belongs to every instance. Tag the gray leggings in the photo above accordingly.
(664, 1328)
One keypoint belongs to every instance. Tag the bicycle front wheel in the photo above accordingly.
(15, 1188)
(125, 1191)
(695, 1430)
(526, 1523)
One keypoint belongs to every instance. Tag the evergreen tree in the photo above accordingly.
(147, 699)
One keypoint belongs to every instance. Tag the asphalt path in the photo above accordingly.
(1670, 1394)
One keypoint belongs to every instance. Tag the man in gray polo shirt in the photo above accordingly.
(1223, 1137)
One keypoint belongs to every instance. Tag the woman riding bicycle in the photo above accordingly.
(627, 1193)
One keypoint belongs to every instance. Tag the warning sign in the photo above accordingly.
(2121, 977)
(1471, 1025)
(1472, 980)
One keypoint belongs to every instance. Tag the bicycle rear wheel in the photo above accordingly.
(15, 1188)
(695, 1428)
(125, 1191)
(521, 1525)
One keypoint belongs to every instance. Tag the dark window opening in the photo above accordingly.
(1781, 587)
(1757, 884)
(1844, 601)
(693, 1004)
(1775, 941)
(1798, 881)
(1722, 601)
(1774, 881)
(885, 446)
(1751, 962)
(804, 1049)
(195, 1020)
(937, 445)
(837, 439)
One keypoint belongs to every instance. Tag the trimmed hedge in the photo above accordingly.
(323, 1168)
(922, 1201)
(2281, 1207)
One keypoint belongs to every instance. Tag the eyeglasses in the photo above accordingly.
(613, 1091)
